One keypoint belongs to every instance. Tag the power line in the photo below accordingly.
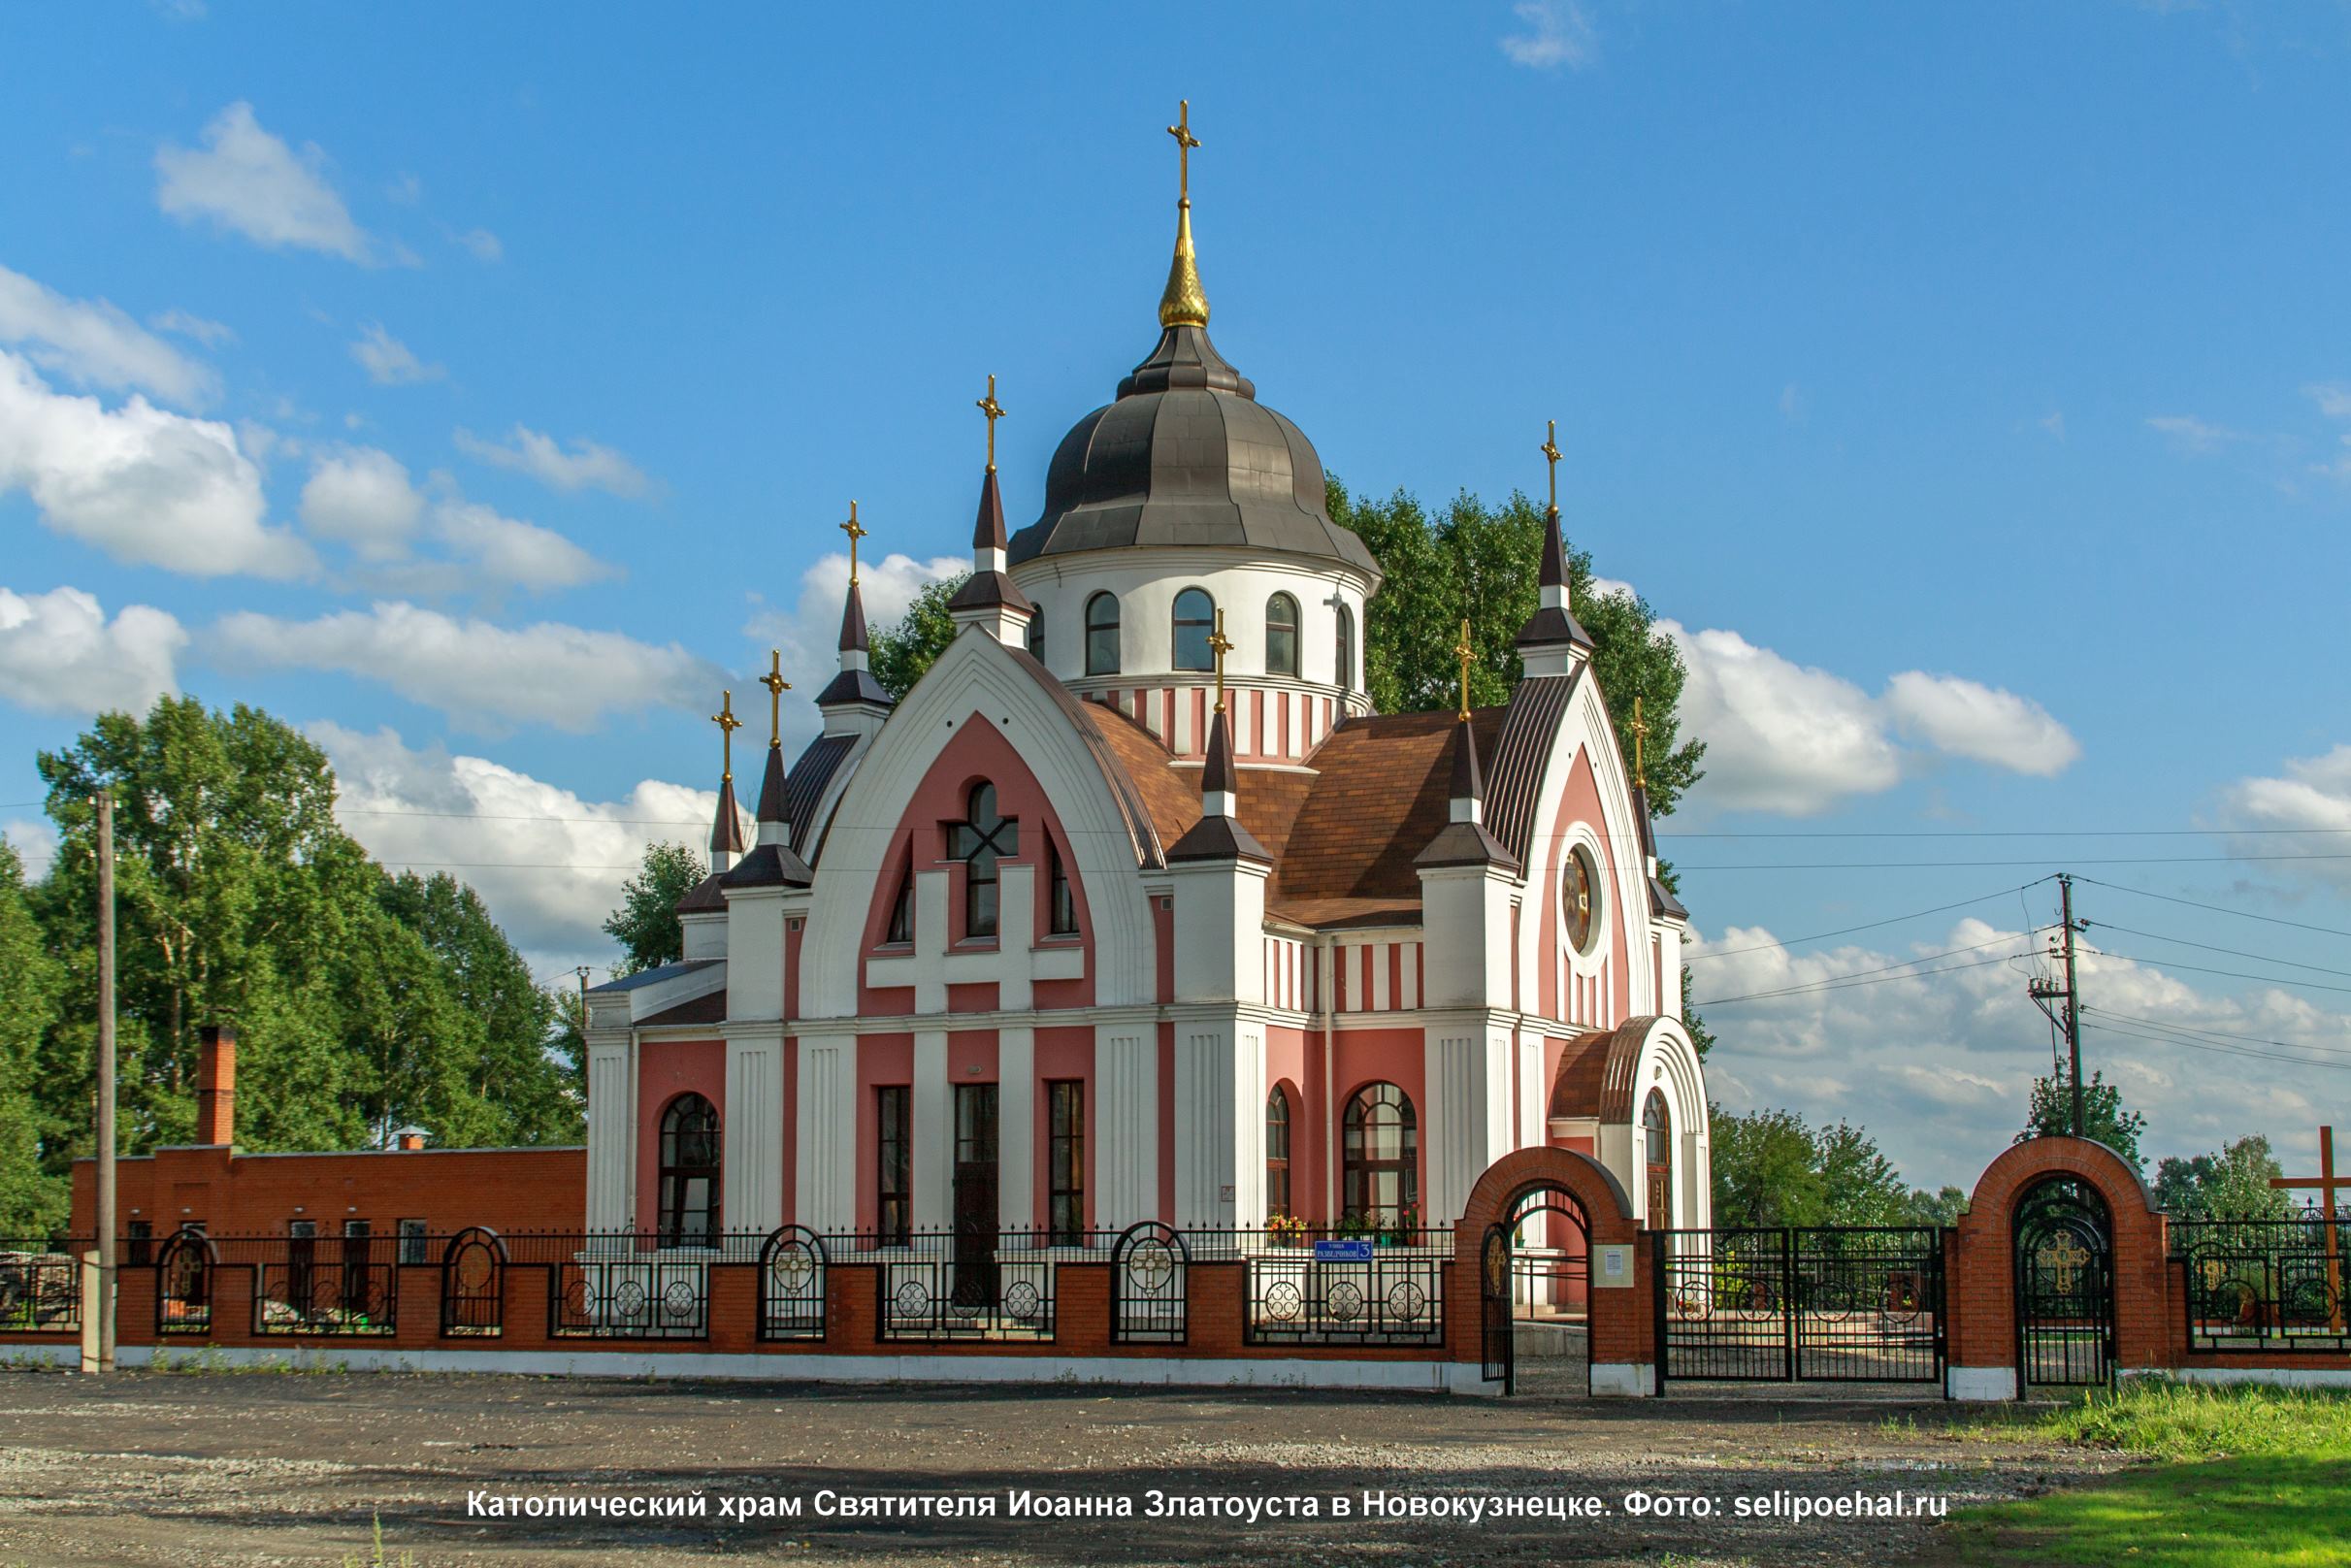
(1904, 964)
(1870, 924)
(1999, 832)
(1848, 983)
(2232, 952)
(1935, 866)
(2221, 1034)
(2221, 909)
(2220, 1050)
(2234, 974)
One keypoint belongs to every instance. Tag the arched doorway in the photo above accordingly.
(2063, 1238)
(1535, 1290)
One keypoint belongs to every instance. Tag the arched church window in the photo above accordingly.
(1195, 618)
(1379, 1157)
(901, 910)
(1102, 634)
(983, 838)
(1277, 1152)
(1281, 635)
(1580, 898)
(1036, 635)
(1657, 1139)
(689, 1172)
(1062, 917)
(1346, 650)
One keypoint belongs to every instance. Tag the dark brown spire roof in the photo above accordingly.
(988, 533)
(853, 622)
(1548, 626)
(727, 823)
(1469, 780)
(771, 800)
(1218, 773)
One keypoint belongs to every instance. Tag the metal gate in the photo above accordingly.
(1494, 1309)
(1825, 1303)
(2065, 1286)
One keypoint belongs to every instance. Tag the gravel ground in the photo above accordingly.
(286, 1467)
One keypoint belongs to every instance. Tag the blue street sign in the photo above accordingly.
(1342, 1252)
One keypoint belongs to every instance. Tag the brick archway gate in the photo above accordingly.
(1617, 1285)
(2097, 1315)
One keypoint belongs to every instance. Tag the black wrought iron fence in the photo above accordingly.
(1345, 1285)
(2265, 1284)
(951, 1286)
(1837, 1304)
(41, 1284)
(1150, 1286)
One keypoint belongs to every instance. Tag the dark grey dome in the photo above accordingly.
(1187, 456)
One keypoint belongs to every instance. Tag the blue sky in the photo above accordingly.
(1968, 385)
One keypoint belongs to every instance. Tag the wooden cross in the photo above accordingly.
(1639, 737)
(727, 724)
(2331, 1189)
(1463, 649)
(1550, 456)
(1181, 130)
(856, 531)
(1219, 644)
(777, 686)
(994, 410)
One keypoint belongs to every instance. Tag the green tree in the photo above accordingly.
(2232, 1183)
(1942, 1207)
(2103, 1120)
(646, 923)
(1858, 1185)
(33, 1201)
(1766, 1169)
(905, 649)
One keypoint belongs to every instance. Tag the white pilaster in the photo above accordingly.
(612, 1129)
(752, 1166)
(934, 1151)
(1126, 1124)
(930, 944)
(1467, 1119)
(1016, 1099)
(825, 1177)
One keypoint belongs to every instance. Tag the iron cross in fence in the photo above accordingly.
(2331, 1189)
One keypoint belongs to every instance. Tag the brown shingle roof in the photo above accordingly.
(709, 1009)
(1170, 797)
(1378, 798)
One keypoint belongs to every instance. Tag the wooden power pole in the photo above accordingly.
(105, 1082)
(2064, 890)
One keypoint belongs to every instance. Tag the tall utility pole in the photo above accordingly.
(105, 1082)
(2069, 1017)
(2064, 890)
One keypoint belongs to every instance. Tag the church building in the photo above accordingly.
(1133, 909)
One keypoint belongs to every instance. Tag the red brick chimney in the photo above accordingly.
(216, 1084)
(410, 1142)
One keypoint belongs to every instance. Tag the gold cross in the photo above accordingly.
(2062, 1259)
(1181, 130)
(856, 531)
(2330, 1190)
(727, 724)
(1219, 644)
(1550, 455)
(777, 686)
(1463, 649)
(1640, 735)
(995, 411)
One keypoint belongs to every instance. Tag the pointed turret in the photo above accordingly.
(987, 597)
(1219, 835)
(1553, 642)
(775, 804)
(1463, 839)
(727, 823)
(853, 701)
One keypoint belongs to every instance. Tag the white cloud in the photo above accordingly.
(511, 551)
(2193, 435)
(1980, 721)
(808, 633)
(483, 676)
(388, 361)
(144, 484)
(406, 191)
(2054, 422)
(548, 864)
(1779, 737)
(1559, 34)
(362, 497)
(480, 244)
(211, 334)
(248, 182)
(588, 464)
(1939, 1066)
(2334, 400)
(59, 653)
(35, 841)
(1795, 739)
(2312, 797)
(93, 344)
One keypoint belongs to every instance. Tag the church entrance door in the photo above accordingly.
(975, 1196)
(2065, 1286)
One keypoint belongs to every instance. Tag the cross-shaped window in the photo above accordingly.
(983, 838)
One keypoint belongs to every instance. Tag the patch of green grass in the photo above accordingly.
(2242, 1473)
